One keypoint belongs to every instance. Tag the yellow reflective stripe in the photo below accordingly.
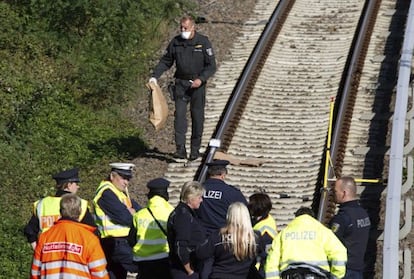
(64, 275)
(36, 262)
(269, 230)
(322, 264)
(97, 263)
(152, 241)
(66, 264)
(272, 275)
(111, 228)
(338, 263)
(152, 257)
(99, 274)
(35, 272)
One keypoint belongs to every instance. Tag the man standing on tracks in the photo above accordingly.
(351, 225)
(217, 198)
(195, 64)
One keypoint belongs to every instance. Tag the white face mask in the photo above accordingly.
(186, 35)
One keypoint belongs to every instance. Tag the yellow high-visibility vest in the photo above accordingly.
(47, 211)
(267, 225)
(151, 241)
(104, 223)
(306, 240)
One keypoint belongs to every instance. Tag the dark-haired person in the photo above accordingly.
(46, 211)
(69, 249)
(351, 225)
(150, 228)
(114, 209)
(305, 248)
(195, 63)
(259, 208)
(217, 198)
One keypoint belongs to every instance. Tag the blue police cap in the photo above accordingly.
(158, 184)
(123, 169)
(218, 163)
(71, 175)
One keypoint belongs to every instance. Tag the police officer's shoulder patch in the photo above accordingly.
(335, 227)
(209, 51)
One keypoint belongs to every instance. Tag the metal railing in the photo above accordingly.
(395, 175)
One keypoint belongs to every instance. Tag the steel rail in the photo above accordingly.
(345, 105)
(245, 81)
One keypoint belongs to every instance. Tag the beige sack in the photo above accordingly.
(158, 107)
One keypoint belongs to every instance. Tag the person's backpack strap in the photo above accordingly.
(158, 222)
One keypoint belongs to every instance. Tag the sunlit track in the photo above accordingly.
(220, 88)
(374, 97)
(284, 120)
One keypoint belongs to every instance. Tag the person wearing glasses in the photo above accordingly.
(46, 211)
(114, 211)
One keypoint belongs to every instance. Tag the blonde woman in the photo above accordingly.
(185, 232)
(234, 247)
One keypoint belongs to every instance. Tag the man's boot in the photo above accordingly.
(194, 154)
(181, 153)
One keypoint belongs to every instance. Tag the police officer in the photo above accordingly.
(113, 213)
(351, 224)
(195, 64)
(217, 198)
(47, 210)
(150, 226)
(185, 232)
(305, 248)
(259, 207)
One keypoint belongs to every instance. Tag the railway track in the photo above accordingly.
(284, 119)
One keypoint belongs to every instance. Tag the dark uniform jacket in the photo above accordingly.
(32, 229)
(184, 233)
(194, 58)
(351, 225)
(225, 263)
(216, 200)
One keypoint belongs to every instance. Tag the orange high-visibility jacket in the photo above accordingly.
(69, 250)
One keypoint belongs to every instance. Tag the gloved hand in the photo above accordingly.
(153, 79)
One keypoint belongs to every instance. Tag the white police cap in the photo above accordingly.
(124, 169)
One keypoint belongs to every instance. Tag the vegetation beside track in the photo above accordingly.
(67, 69)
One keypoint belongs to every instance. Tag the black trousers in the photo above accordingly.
(197, 99)
(119, 257)
(156, 269)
